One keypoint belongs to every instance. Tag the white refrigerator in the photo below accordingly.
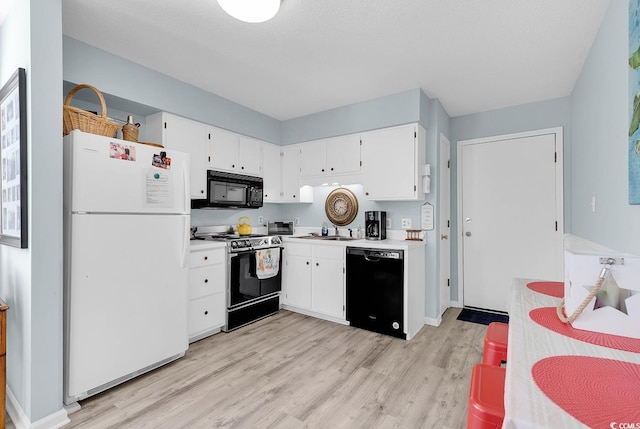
(126, 244)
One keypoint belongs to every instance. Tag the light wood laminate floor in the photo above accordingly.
(295, 371)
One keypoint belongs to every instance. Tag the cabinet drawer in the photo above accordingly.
(207, 280)
(328, 252)
(301, 249)
(200, 258)
(206, 313)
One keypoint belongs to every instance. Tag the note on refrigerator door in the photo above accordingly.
(426, 216)
(157, 188)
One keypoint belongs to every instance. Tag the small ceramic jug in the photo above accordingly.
(130, 130)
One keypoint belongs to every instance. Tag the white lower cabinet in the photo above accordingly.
(207, 291)
(313, 280)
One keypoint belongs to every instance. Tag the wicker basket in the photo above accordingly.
(78, 119)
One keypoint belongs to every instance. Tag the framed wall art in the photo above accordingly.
(634, 102)
(13, 158)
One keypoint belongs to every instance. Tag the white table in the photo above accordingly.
(526, 406)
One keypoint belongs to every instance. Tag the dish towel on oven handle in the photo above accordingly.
(267, 263)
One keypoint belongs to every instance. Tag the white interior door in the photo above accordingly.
(445, 222)
(510, 212)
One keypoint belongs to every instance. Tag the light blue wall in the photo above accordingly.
(397, 109)
(128, 81)
(599, 163)
(31, 279)
(534, 116)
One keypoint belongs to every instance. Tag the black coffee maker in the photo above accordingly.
(375, 225)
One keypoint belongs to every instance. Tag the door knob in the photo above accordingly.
(468, 234)
(444, 237)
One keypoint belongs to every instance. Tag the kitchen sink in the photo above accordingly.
(330, 237)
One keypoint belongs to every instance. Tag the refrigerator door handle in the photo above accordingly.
(185, 241)
(187, 187)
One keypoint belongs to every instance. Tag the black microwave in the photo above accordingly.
(231, 190)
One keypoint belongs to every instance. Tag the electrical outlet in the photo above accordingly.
(406, 223)
(297, 222)
(389, 223)
(260, 220)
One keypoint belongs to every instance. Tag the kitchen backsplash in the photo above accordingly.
(312, 215)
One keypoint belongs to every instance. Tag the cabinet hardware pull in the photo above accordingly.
(206, 280)
(206, 312)
(206, 258)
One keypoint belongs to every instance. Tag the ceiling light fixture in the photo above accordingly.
(253, 11)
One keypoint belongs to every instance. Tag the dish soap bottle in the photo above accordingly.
(325, 229)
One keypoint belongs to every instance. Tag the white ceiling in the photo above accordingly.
(320, 54)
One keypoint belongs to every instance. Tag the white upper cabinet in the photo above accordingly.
(329, 159)
(290, 183)
(272, 172)
(280, 173)
(250, 156)
(343, 154)
(392, 161)
(313, 158)
(234, 153)
(175, 132)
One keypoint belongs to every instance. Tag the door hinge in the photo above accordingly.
(360, 163)
(343, 271)
(448, 223)
(343, 308)
(448, 163)
(281, 154)
(209, 136)
(415, 188)
(360, 142)
(555, 156)
(415, 134)
(448, 282)
(165, 125)
(209, 158)
(556, 225)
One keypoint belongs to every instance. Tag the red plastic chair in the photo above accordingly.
(495, 344)
(486, 397)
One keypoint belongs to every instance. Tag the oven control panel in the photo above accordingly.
(254, 243)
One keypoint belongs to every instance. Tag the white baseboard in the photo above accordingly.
(433, 322)
(21, 421)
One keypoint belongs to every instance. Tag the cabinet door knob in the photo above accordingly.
(242, 167)
(233, 166)
(206, 280)
(331, 168)
(206, 258)
(317, 264)
(202, 191)
(294, 195)
(307, 262)
(206, 312)
(323, 170)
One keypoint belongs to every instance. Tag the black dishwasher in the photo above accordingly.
(375, 290)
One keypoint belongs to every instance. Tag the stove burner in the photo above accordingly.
(238, 243)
